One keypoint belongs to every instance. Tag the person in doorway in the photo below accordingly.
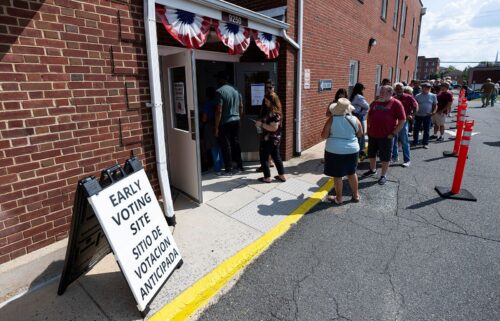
(411, 106)
(444, 101)
(360, 109)
(427, 103)
(342, 148)
(208, 121)
(386, 117)
(228, 111)
(270, 99)
(270, 125)
(487, 91)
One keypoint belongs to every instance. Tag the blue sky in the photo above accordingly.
(460, 30)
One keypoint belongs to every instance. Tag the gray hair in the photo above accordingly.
(398, 84)
(389, 89)
(408, 89)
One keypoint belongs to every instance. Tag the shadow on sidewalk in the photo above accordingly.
(425, 203)
(492, 144)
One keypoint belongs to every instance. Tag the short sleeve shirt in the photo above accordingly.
(443, 99)
(383, 117)
(229, 98)
(409, 103)
(275, 136)
(425, 102)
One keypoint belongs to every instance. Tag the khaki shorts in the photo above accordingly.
(439, 119)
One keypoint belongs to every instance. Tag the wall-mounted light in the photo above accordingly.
(372, 42)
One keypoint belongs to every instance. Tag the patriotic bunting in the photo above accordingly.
(268, 43)
(188, 28)
(192, 31)
(235, 37)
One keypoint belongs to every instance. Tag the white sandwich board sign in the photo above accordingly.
(138, 234)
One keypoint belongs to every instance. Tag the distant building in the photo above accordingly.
(427, 67)
(479, 74)
(455, 75)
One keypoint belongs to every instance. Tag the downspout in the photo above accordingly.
(423, 11)
(157, 111)
(399, 40)
(298, 83)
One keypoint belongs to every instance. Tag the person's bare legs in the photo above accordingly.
(385, 167)
(353, 183)
(373, 163)
(338, 188)
(441, 130)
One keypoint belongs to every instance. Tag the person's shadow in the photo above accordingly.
(279, 207)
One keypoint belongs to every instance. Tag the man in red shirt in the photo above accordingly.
(445, 99)
(385, 119)
(411, 106)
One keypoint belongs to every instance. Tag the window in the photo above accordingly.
(378, 78)
(353, 74)
(390, 74)
(403, 19)
(383, 13)
(396, 11)
(412, 30)
(398, 75)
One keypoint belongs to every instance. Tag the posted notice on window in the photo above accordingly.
(179, 101)
(257, 93)
(137, 231)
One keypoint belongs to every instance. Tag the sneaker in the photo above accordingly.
(440, 139)
(382, 180)
(433, 137)
(219, 173)
(227, 173)
(369, 173)
(426, 146)
(406, 164)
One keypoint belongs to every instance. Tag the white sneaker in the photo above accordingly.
(406, 164)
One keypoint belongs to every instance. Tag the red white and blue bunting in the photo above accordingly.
(268, 43)
(188, 28)
(192, 31)
(233, 36)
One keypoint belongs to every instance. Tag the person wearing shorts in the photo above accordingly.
(386, 117)
(444, 100)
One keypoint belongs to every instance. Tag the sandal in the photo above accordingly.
(277, 177)
(356, 200)
(333, 199)
(263, 180)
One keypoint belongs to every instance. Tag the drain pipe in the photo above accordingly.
(157, 111)
(298, 83)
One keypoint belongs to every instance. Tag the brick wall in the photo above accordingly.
(73, 87)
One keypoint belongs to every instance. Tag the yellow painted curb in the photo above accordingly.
(189, 301)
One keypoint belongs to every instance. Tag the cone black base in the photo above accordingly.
(463, 195)
(449, 154)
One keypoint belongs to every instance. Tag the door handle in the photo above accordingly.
(192, 121)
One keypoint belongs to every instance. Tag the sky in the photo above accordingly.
(460, 30)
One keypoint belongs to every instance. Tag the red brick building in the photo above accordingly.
(427, 67)
(75, 88)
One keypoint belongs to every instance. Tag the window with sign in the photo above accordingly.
(353, 74)
(179, 108)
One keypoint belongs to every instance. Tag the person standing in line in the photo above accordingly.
(341, 93)
(487, 91)
(427, 103)
(228, 111)
(341, 149)
(360, 109)
(411, 106)
(444, 101)
(271, 137)
(496, 91)
(385, 82)
(208, 121)
(409, 90)
(386, 117)
(415, 84)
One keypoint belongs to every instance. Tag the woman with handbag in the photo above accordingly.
(341, 132)
(270, 124)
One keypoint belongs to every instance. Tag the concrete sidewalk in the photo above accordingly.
(237, 211)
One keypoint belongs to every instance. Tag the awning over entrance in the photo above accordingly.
(190, 24)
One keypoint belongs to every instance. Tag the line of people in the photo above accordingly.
(389, 121)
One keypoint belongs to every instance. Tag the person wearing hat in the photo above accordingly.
(487, 92)
(228, 110)
(444, 101)
(341, 131)
(427, 103)
(386, 118)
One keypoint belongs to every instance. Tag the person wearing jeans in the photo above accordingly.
(427, 105)
(411, 106)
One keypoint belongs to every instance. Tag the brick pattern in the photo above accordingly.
(73, 88)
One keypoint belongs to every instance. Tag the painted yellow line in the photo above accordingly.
(198, 295)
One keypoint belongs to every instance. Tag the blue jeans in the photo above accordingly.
(217, 158)
(403, 137)
(419, 121)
